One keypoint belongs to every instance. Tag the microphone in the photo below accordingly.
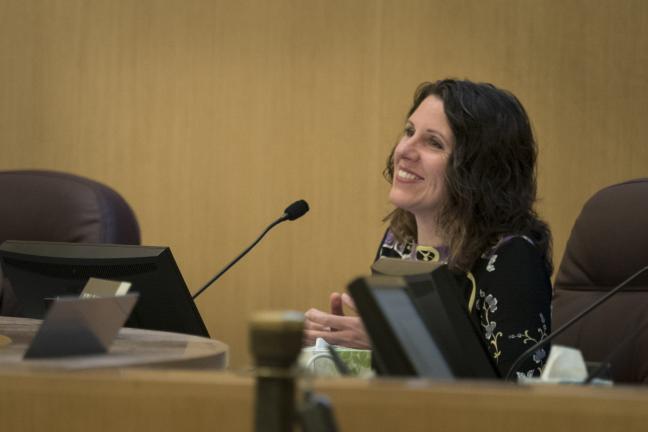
(292, 212)
(296, 210)
(569, 323)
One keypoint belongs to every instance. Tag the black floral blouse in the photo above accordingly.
(508, 294)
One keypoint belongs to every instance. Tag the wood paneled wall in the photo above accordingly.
(210, 116)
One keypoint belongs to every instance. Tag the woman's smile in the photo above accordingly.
(420, 160)
(406, 176)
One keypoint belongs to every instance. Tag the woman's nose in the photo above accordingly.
(407, 148)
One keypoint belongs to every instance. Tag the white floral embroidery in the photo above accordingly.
(489, 329)
(490, 303)
(491, 263)
(487, 304)
(540, 355)
(529, 374)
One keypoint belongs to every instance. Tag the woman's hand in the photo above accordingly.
(336, 328)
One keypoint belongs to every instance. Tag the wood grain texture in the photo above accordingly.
(135, 400)
(211, 116)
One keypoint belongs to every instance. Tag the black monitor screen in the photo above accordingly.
(42, 270)
(417, 328)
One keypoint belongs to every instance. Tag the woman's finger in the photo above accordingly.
(348, 301)
(311, 325)
(333, 321)
(336, 304)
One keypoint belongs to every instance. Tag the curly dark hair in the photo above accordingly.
(491, 173)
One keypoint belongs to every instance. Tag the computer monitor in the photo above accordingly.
(43, 270)
(418, 327)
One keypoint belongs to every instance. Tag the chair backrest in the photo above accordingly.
(54, 206)
(608, 243)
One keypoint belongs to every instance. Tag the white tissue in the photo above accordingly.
(564, 365)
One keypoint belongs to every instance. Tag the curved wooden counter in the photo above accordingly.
(131, 348)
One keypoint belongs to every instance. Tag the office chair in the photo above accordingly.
(608, 243)
(59, 207)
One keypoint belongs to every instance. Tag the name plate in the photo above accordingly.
(80, 326)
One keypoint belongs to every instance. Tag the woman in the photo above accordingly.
(463, 179)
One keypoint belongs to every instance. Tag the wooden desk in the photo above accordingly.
(75, 395)
(171, 400)
(132, 347)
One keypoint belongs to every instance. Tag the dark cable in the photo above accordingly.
(569, 323)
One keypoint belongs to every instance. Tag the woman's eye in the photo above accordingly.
(409, 131)
(433, 142)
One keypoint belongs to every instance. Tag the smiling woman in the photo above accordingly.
(489, 177)
(419, 162)
(463, 179)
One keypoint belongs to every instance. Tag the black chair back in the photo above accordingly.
(59, 207)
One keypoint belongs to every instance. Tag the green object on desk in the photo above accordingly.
(317, 359)
(358, 361)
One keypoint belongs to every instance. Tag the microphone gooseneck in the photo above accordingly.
(292, 212)
(569, 323)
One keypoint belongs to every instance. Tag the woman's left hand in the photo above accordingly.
(336, 328)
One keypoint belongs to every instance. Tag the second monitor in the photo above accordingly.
(41, 270)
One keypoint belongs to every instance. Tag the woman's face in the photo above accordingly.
(420, 160)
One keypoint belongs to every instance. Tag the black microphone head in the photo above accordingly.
(296, 210)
